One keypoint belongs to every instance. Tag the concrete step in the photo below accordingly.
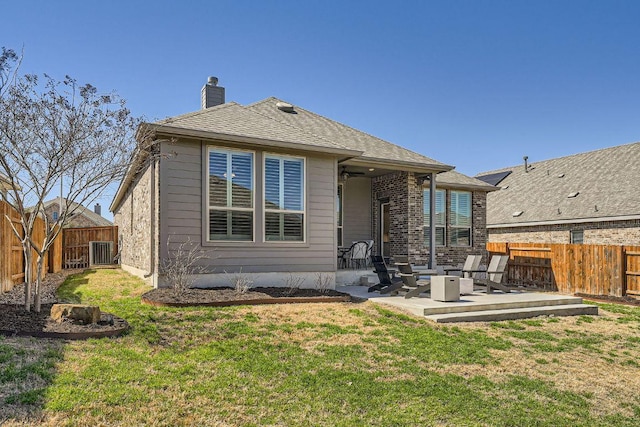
(515, 313)
(498, 303)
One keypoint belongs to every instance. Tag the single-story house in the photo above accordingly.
(590, 198)
(80, 216)
(271, 188)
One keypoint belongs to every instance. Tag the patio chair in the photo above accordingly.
(470, 267)
(387, 283)
(357, 255)
(495, 272)
(408, 276)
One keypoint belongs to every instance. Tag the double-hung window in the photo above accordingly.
(230, 195)
(284, 198)
(440, 221)
(460, 218)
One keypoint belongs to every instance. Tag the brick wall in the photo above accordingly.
(595, 233)
(405, 198)
(394, 188)
(133, 218)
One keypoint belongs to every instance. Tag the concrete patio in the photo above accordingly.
(480, 306)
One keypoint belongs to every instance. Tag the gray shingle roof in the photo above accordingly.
(233, 119)
(372, 148)
(606, 182)
(98, 220)
(456, 179)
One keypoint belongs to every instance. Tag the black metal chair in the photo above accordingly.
(387, 283)
(358, 254)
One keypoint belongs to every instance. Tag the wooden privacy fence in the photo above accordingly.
(82, 247)
(12, 269)
(573, 268)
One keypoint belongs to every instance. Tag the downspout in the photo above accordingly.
(152, 237)
(432, 220)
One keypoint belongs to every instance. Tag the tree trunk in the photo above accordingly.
(27, 278)
(37, 293)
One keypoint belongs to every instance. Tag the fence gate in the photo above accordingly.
(100, 253)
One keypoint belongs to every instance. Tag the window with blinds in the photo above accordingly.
(283, 198)
(440, 219)
(230, 194)
(460, 218)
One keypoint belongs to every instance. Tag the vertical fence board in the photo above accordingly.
(573, 268)
(75, 252)
(631, 269)
(12, 268)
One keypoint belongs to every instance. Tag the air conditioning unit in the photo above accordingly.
(100, 253)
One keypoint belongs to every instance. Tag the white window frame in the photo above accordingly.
(425, 227)
(282, 157)
(208, 207)
(451, 216)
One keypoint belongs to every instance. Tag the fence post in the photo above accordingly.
(5, 251)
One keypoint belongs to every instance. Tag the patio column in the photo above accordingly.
(432, 220)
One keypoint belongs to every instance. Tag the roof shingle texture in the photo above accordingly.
(373, 148)
(263, 120)
(234, 119)
(607, 181)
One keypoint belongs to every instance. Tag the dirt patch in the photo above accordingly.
(229, 296)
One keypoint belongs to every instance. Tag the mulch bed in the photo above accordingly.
(219, 297)
(15, 320)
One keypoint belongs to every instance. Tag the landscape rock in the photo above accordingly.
(85, 314)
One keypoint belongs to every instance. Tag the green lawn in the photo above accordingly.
(321, 365)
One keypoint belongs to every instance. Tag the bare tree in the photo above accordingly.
(53, 132)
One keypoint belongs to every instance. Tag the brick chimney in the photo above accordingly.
(212, 94)
(98, 209)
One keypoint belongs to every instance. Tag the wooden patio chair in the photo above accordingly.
(387, 283)
(470, 267)
(415, 286)
(495, 272)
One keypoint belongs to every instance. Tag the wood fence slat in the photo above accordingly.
(573, 268)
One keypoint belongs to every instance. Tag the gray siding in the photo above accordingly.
(357, 210)
(183, 215)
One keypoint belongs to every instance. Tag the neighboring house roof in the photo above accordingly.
(78, 209)
(5, 183)
(599, 185)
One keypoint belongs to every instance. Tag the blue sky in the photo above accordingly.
(472, 83)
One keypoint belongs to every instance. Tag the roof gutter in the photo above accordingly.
(182, 132)
(407, 166)
(566, 221)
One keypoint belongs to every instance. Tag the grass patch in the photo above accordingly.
(316, 364)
